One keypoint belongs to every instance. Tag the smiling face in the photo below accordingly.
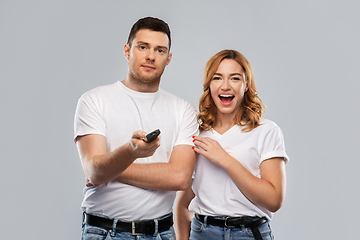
(227, 88)
(147, 58)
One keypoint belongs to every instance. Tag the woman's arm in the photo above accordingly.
(267, 191)
(183, 216)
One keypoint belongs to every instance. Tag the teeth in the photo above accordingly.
(223, 95)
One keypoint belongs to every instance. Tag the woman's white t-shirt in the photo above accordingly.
(215, 193)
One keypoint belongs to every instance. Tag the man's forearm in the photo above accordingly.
(172, 176)
(104, 168)
(101, 166)
(155, 176)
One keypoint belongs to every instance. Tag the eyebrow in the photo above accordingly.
(232, 74)
(147, 44)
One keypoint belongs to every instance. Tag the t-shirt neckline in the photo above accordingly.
(136, 93)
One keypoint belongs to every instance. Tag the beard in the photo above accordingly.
(142, 77)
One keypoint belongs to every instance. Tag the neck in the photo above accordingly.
(141, 86)
(224, 123)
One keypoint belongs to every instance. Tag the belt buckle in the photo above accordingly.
(226, 223)
(133, 229)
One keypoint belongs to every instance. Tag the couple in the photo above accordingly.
(239, 158)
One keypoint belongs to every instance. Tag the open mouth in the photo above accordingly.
(226, 99)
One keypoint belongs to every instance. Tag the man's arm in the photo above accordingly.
(101, 166)
(172, 176)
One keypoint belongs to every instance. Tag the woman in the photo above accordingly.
(239, 178)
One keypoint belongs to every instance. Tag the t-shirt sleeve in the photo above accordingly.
(88, 117)
(274, 145)
(188, 126)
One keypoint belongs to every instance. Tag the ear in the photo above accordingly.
(169, 59)
(127, 51)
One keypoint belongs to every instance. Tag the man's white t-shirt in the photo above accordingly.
(116, 112)
(216, 194)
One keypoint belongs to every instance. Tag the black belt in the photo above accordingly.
(236, 222)
(146, 227)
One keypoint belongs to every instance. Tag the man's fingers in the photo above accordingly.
(141, 148)
(139, 134)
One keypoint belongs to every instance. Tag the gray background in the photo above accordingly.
(305, 55)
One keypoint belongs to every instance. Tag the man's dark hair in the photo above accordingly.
(150, 23)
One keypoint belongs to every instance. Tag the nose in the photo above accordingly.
(151, 55)
(225, 85)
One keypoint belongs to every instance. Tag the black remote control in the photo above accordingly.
(152, 136)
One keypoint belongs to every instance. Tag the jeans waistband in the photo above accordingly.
(145, 227)
(235, 222)
(228, 221)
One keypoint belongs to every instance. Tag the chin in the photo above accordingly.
(149, 79)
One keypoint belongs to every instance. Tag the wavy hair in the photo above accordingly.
(251, 109)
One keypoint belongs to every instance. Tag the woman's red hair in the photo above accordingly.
(251, 108)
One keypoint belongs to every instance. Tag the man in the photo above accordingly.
(132, 183)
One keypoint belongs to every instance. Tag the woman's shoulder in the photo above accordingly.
(267, 124)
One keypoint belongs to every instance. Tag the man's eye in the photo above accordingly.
(161, 51)
(142, 47)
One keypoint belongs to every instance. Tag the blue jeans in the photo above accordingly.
(90, 232)
(201, 230)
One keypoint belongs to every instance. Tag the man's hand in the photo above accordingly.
(140, 147)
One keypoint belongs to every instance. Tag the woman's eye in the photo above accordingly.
(216, 78)
(236, 79)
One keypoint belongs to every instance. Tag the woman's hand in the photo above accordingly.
(212, 150)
